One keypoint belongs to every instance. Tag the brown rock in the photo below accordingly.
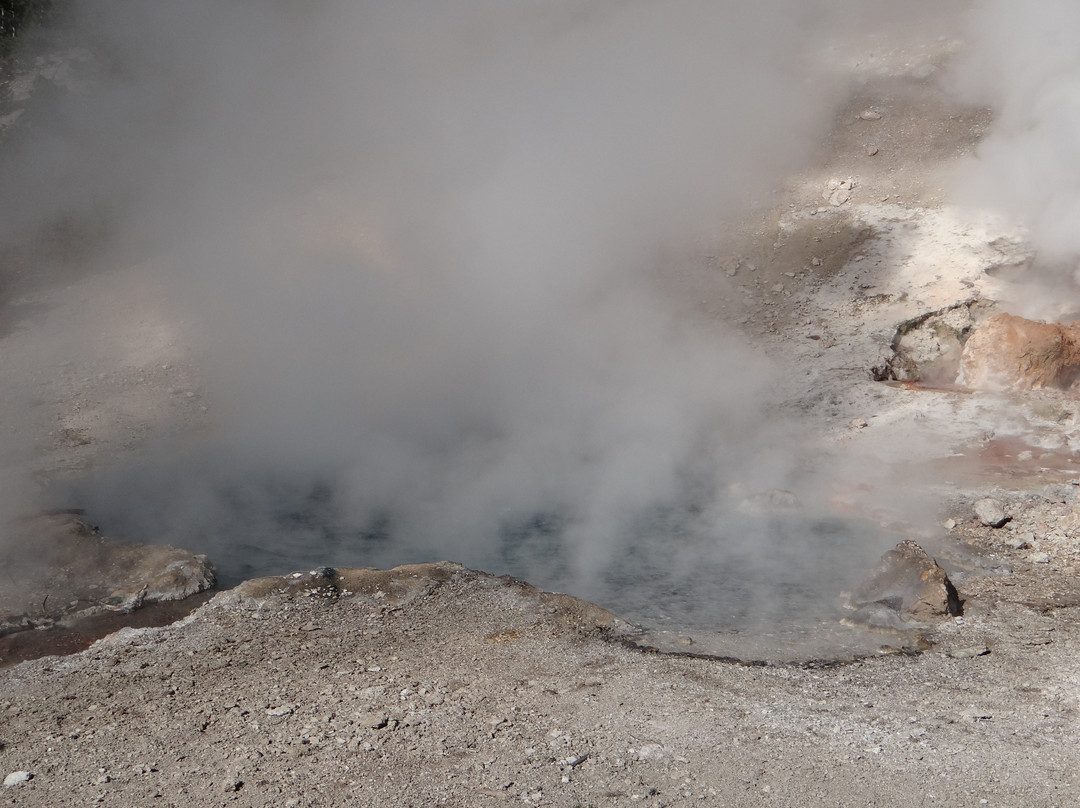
(60, 568)
(1011, 353)
(911, 583)
(400, 586)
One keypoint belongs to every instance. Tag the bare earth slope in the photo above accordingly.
(447, 687)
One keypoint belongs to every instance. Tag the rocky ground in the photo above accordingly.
(440, 686)
(437, 685)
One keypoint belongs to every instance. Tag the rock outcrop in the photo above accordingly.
(1008, 352)
(910, 584)
(400, 586)
(60, 568)
(927, 348)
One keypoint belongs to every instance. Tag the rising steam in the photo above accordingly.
(416, 240)
(1025, 63)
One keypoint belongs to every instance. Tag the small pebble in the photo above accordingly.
(17, 778)
(968, 653)
(1020, 541)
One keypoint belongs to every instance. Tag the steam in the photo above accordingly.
(1024, 62)
(419, 242)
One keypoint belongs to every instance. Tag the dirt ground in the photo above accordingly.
(436, 685)
(462, 689)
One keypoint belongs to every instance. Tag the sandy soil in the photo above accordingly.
(437, 685)
(449, 687)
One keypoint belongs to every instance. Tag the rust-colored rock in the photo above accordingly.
(911, 583)
(1011, 353)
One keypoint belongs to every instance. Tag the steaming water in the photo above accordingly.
(757, 585)
(414, 242)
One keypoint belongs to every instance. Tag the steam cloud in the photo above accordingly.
(1025, 63)
(418, 240)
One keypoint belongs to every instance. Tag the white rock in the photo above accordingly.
(1039, 558)
(870, 115)
(990, 512)
(17, 778)
(651, 751)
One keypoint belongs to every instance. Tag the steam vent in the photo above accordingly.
(554, 404)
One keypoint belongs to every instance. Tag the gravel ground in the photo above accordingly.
(458, 688)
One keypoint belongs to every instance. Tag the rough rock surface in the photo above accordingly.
(60, 568)
(927, 348)
(990, 512)
(1008, 352)
(910, 583)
